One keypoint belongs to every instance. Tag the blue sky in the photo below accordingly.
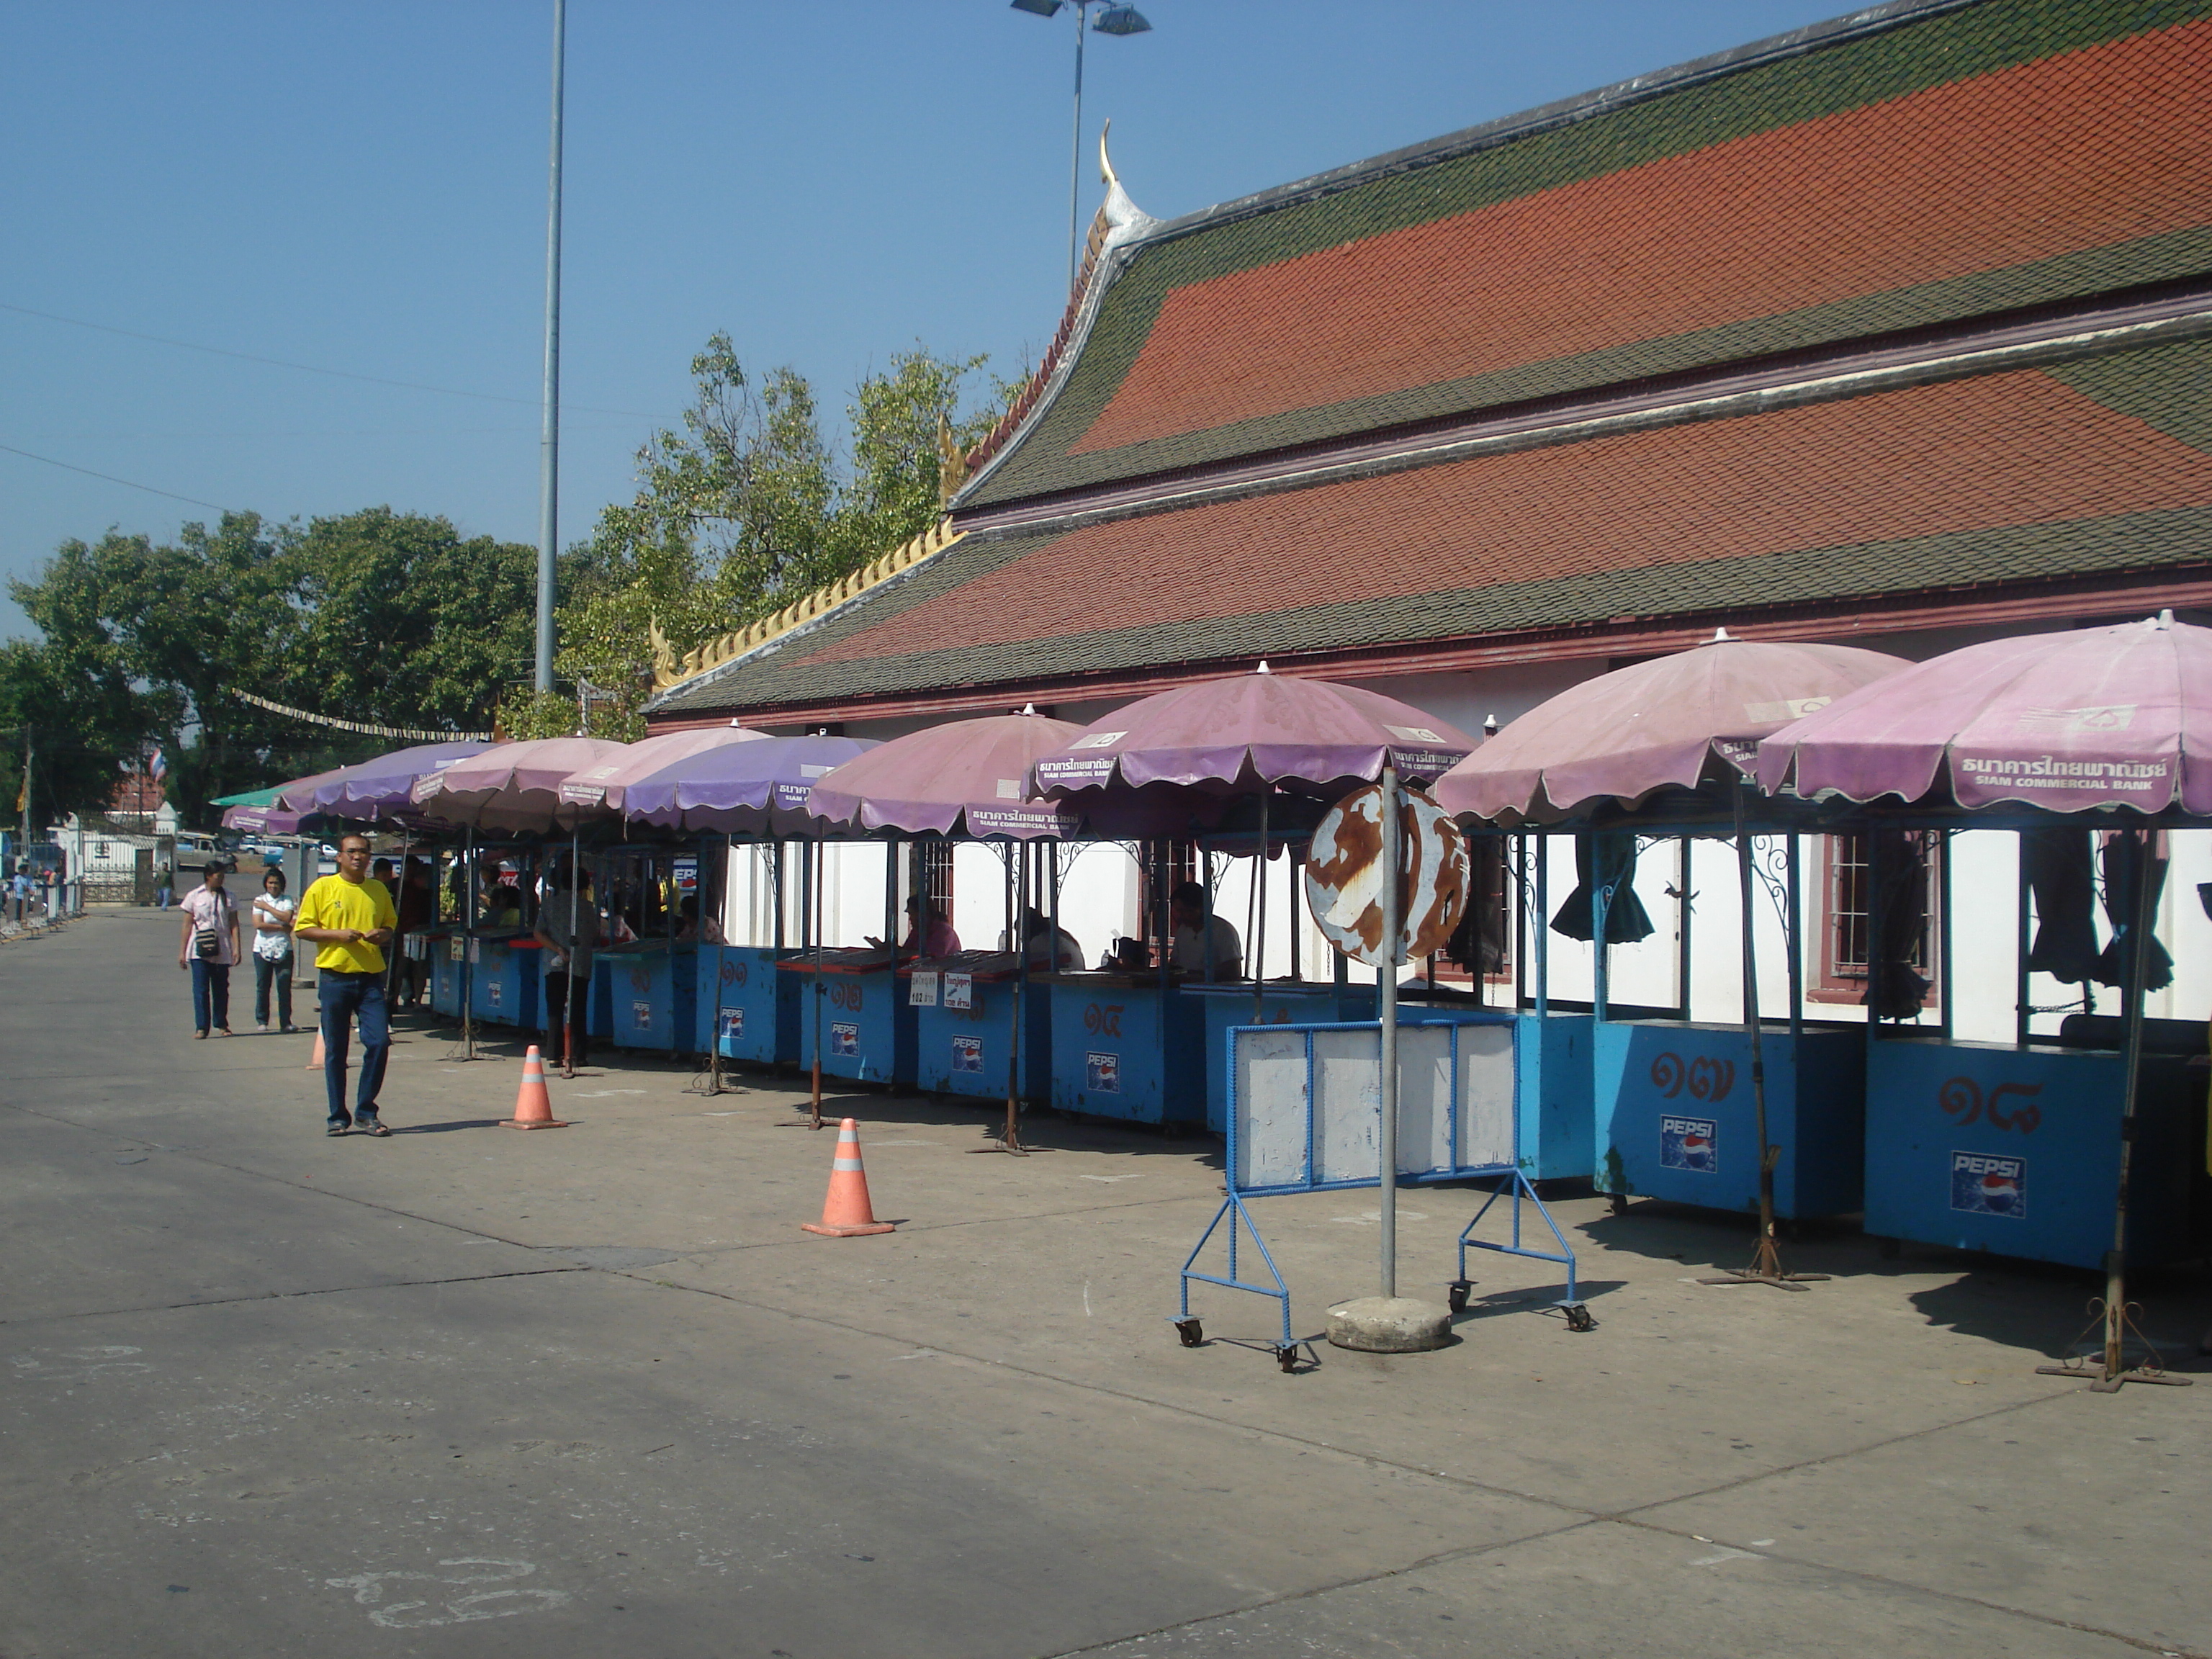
(361, 187)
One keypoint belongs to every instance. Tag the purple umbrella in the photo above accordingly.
(2068, 721)
(971, 774)
(607, 785)
(1226, 736)
(514, 786)
(264, 820)
(743, 788)
(380, 786)
(1620, 735)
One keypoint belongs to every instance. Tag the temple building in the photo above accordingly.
(1895, 330)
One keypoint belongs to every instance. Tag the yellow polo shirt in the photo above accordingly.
(333, 902)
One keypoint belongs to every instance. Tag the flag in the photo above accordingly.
(158, 767)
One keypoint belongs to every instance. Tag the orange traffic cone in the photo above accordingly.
(316, 1064)
(533, 1108)
(846, 1213)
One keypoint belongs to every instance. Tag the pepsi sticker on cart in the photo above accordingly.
(1102, 1074)
(641, 1016)
(1985, 1183)
(733, 1024)
(967, 1055)
(845, 1041)
(1690, 1143)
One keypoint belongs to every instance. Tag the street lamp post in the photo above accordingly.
(1111, 20)
(549, 461)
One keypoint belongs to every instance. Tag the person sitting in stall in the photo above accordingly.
(931, 938)
(502, 906)
(690, 928)
(1048, 949)
(1210, 949)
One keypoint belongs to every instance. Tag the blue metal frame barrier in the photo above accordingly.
(1496, 1160)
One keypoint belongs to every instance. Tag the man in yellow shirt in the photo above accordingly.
(350, 919)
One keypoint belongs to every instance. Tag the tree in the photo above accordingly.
(384, 618)
(82, 727)
(746, 509)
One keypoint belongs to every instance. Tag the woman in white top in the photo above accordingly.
(273, 911)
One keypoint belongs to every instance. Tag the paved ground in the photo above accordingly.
(468, 1392)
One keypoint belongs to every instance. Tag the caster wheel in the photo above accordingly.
(1457, 1295)
(1578, 1317)
(1191, 1331)
(1619, 1202)
(1287, 1357)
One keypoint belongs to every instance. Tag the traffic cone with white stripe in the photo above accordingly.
(847, 1213)
(315, 1063)
(533, 1107)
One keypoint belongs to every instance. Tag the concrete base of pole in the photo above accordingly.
(1389, 1324)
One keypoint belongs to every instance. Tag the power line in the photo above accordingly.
(306, 368)
(111, 478)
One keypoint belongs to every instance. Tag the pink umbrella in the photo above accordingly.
(607, 784)
(1622, 735)
(2068, 721)
(1224, 736)
(972, 774)
(514, 786)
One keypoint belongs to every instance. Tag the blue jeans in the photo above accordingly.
(211, 994)
(344, 996)
(278, 973)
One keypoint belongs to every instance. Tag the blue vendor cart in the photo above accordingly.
(649, 990)
(504, 984)
(857, 1013)
(963, 1020)
(754, 1011)
(1127, 1046)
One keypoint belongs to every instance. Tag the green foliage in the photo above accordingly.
(747, 509)
(80, 725)
(379, 616)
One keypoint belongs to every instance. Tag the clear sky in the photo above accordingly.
(361, 187)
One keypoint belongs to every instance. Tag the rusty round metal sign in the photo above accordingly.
(1344, 878)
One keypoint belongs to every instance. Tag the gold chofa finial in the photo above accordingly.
(951, 461)
(1106, 174)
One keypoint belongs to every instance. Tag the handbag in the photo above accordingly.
(207, 942)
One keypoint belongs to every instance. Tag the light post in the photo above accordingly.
(1111, 20)
(549, 461)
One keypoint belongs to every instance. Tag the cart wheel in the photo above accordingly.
(1287, 1357)
(1190, 1331)
(1579, 1316)
(1619, 1202)
(1457, 1296)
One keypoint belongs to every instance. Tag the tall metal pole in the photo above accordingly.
(1393, 924)
(1075, 157)
(548, 463)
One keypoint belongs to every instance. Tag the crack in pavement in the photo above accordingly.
(288, 1296)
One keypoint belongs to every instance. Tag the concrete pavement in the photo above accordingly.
(465, 1391)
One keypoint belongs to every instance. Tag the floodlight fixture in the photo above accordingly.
(1121, 19)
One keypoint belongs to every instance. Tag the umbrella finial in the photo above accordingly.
(1719, 635)
(1263, 668)
(1029, 709)
(2165, 619)
(1490, 726)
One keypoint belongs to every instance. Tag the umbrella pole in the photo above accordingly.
(1018, 887)
(2113, 1310)
(1766, 1261)
(1258, 966)
(568, 991)
(469, 955)
(810, 903)
(715, 1016)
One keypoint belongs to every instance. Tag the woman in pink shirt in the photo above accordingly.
(209, 948)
